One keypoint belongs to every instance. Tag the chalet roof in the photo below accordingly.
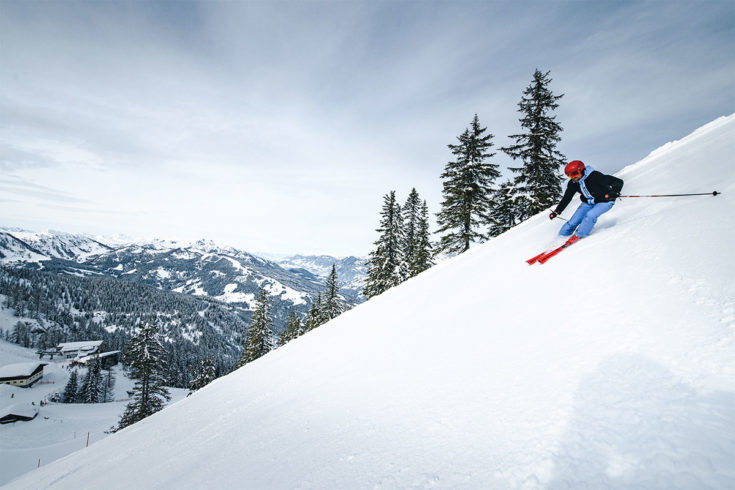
(101, 355)
(21, 409)
(87, 345)
(20, 369)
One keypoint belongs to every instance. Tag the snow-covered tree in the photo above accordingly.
(421, 253)
(386, 265)
(145, 360)
(314, 316)
(92, 390)
(538, 180)
(411, 213)
(204, 375)
(332, 306)
(22, 333)
(504, 213)
(294, 328)
(467, 191)
(72, 388)
(259, 341)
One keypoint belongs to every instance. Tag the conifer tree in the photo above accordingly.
(422, 248)
(204, 375)
(504, 214)
(467, 191)
(386, 265)
(108, 386)
(260, 336)
(72, 387)
(314, 317)
(293, 329)
(92, 387)
(411, 214)
(538, 180)
(284, 337)
(145, 358)
(332, 306)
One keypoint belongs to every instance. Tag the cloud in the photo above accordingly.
(22, 189)
(271, 115)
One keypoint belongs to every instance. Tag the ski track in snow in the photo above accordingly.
(611, 366)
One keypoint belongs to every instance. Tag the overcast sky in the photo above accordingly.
(279, 126)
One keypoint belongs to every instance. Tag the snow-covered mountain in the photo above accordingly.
(202, 268)
(51, 244)
(15, 250)
(611, 366)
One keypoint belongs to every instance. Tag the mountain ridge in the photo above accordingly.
(201, 268)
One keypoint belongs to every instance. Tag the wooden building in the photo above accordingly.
(22, 374)
(19, 411)
(107, 359)
(71, 350)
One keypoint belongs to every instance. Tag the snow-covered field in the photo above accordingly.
(611, 366)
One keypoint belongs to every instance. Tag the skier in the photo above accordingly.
(598, 193)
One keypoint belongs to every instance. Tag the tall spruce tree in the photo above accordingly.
(332, 306)
(504, 214)
(467, 191)
(386, 264)
(92, 390)
(411, 215)
(72, 387)
(260, 336)
(422, 248)
(538, 180)
(145, 359)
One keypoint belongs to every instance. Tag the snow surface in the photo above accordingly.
(611, 366)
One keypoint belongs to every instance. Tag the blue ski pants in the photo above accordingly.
(585, 218)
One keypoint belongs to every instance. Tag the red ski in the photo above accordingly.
(533, 260)
(545, 256)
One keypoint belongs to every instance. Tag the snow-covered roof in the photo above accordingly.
(19, 369)
(22, 409)
(76, 346)
(100, 355)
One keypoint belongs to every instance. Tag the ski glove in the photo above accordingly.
(553, 215)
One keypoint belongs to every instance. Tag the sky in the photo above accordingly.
(278, 127)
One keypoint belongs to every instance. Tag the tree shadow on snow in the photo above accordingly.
(635, 425)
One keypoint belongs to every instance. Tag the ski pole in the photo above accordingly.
(713, 193)
(557, 216)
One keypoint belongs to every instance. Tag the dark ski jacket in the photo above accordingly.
(594, 187)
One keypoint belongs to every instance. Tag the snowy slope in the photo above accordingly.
(611, 366)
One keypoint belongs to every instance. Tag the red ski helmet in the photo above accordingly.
(574, 168)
